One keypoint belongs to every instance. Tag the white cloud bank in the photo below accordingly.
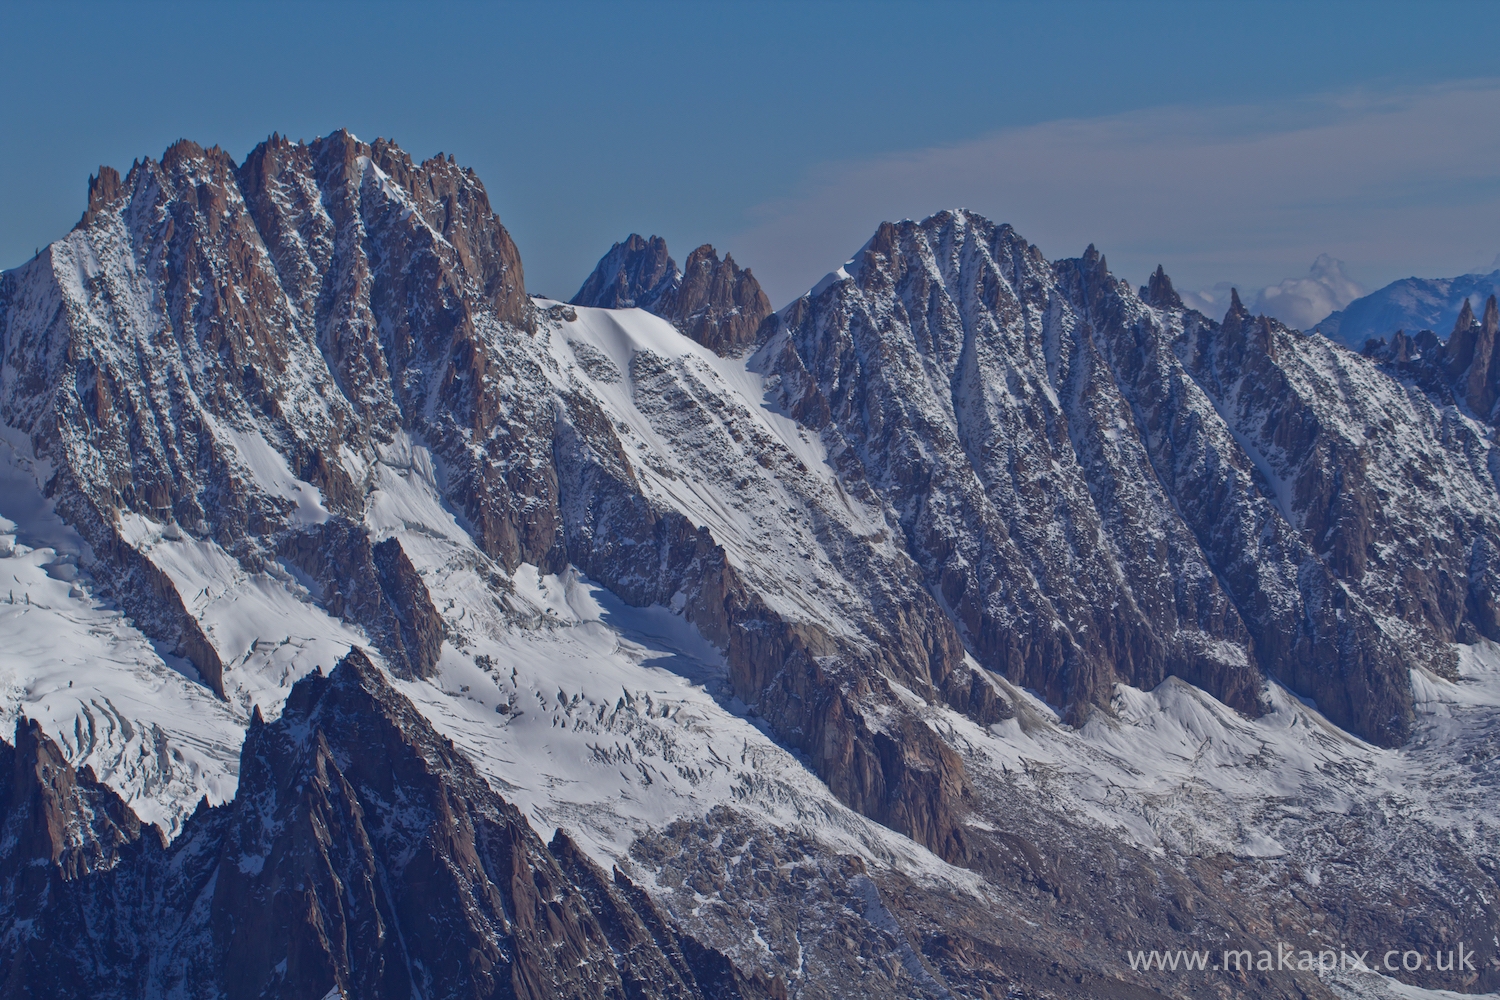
(1396, 183)
(1301, 302)
(1298, 302)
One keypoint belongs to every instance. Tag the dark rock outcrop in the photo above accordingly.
(418, 623)
(636, 274)
(1159, 293)
(53, 814)
(1472, 359)
(374, 585)
(716, 302)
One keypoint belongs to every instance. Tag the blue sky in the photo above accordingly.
(1230, 142)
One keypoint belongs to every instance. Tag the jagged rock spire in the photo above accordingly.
(637, 273)
(1159, 293)
(1470, 360)
(716, 302)
(52, 814)
(104, 190)
(1461, 341)
(1482, 386)
(719, 304)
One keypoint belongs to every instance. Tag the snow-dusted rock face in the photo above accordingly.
(213, 348)
(213, 364)
(936, 636)
(1463, 371)
(716, 302)
(412, 878)
(1104, 487)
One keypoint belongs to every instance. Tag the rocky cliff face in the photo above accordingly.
(716, 302)
(1103, 486)
(205, 319)
(362, 854)
(636, 274)
(1462, 371)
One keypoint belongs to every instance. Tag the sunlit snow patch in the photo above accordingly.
(587, 713)
(267, 636)
(94, 683)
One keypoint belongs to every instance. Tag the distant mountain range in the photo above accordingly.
(1412, 305)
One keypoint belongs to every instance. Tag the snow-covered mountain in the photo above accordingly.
(1410, 305)
(965, 623)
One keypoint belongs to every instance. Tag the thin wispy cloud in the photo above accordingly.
(1392, 183)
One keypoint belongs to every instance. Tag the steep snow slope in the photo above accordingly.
(703, 440)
